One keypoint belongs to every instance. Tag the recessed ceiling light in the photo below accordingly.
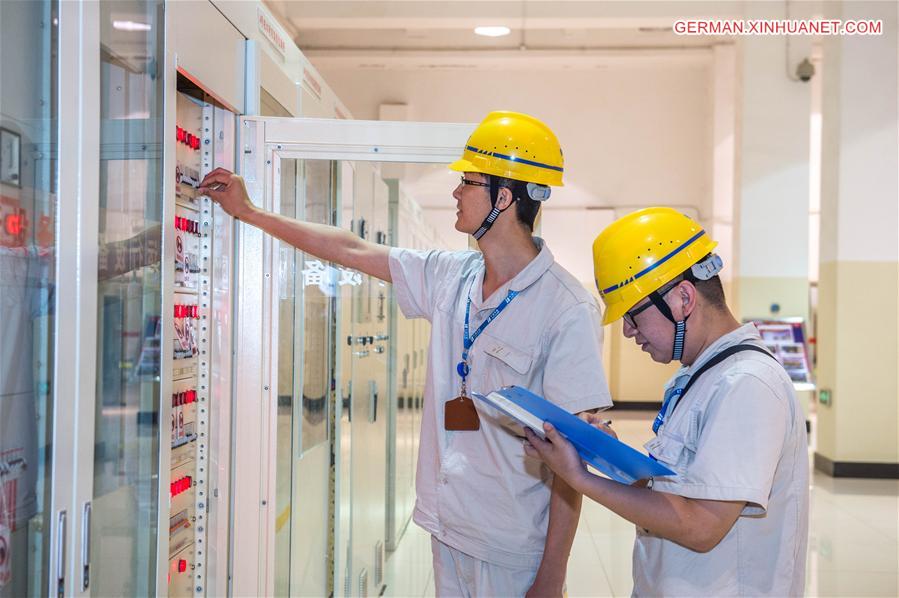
(493, 31)
(130, 26)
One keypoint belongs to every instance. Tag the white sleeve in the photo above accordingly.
(419, 276)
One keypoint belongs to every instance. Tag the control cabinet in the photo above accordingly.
(203, 140)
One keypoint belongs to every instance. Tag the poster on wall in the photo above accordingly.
(786, 339)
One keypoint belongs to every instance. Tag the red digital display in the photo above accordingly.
(15, 224)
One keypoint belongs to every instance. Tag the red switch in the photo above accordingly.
(182, 565)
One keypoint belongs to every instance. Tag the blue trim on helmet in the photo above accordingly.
(654, 266)
(472, 148)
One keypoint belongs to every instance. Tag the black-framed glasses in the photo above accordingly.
(632, 313)
(473, 183)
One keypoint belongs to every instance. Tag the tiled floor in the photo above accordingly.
(854, 535)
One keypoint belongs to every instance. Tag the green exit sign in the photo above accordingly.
(824, 396)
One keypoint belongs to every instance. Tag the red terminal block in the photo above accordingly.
(187, 311)
(181, 134)
(181, 485)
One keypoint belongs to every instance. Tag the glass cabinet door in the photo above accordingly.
(307, 291)
(28, 252)
(129, 298)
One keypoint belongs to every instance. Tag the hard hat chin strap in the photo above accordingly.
(680, 327)
(494, 213)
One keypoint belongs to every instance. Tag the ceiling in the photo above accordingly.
(425, 34)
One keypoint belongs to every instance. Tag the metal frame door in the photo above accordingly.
(264, 142)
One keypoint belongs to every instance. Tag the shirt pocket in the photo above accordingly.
(520, 361)
(672, 449)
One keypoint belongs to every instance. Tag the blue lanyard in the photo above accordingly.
(467, 341)
(673, 394)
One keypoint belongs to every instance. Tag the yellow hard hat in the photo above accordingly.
(513, 146)
(641, 252)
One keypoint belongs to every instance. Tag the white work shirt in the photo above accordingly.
(477, 491)
(739, 435)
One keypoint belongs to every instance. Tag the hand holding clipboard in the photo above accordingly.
(607, 454)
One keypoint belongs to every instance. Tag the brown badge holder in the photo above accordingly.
(460, 415)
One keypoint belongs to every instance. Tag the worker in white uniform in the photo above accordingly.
(734, 520)
(501, 524)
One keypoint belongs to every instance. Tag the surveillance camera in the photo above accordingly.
(805, 70)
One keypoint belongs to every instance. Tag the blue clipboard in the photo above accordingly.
(606, 453)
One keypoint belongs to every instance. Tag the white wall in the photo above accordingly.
(631, 135)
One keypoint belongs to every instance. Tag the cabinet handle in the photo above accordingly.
(86, 547)
(61, 554)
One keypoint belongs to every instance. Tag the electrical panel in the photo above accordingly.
(191, 322)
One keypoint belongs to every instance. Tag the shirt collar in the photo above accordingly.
(528, 276)
(746, 332)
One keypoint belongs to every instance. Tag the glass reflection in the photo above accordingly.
(286, 327)
(124, 523)
(28, 113)
(317, 312)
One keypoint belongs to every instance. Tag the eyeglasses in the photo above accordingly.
(473, 183)
(631, 314)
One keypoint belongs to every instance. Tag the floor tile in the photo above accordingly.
(852, 583)
(586, 573)
(853, 538)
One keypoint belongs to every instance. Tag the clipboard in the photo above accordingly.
(607, 454)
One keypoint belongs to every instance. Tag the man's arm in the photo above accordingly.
(564, 513)
(326, 242)
(697, 524)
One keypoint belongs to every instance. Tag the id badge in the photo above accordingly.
(460, 415)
